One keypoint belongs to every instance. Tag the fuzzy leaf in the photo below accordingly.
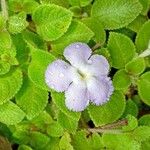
(116, 14)
(10, 84)
(97, 28)
(121, 49)
(145, 120)
(67, 122)
(107, 113)
(31, 99)
(24, 147)
(81, 3)
(55, 130)
(59, 100)
(11, 113)
(136, 66)
(143, 37)
(38, 66)
(17, 23)
(144, 87)
(51, 21)
(77, 32)
(121, 80)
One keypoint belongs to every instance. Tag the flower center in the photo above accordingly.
(83, 75)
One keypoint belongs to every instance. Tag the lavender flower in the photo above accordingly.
(84, 80)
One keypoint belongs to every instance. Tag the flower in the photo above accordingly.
(84, 80)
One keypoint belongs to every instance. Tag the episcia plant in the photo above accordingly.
(74, 74)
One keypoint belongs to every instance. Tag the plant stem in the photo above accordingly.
(96, 46)
(4, 9)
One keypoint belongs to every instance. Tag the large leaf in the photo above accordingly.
(10, 84)
(144, 87)
(31, 99)
(109, 112)
(11, 113)
(121, 49)
(116, 14)
(51, 21)
(77, 32)
(38, 66)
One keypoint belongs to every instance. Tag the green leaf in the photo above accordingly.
(81, 3)
(143, 37)
(107, 113)
(120, 142)
(135, 66)
(132, 123)
(38, 140)
(59, 100)
(10, 84)
(67, 122)
(136, 24)
(51, 21)
(121, 80)
(55, 130)
(145, 5)
(97, 28)
(77, 32)
(145, 120)
(17, 23)
(115, 14)
(121, 49)
(144, 87)
(141, 133)
(31, 99)
(38, 66)
(131, 108)
(64, 143)
(11, 113)
(80, 142)
(24, 147)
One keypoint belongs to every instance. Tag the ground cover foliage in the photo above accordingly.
(34, 33)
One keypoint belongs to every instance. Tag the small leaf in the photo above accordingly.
(59, 100)
(144, 87)
(77, 32)
(136, 24)
(10, 84)
(131, 108)
(107, 113)
(121, 80)
(38, 66)
(115, 14)
(31, 99)
(64, 143)
(141, 133)
(51, 21)
(11, 113)
(136, 66)
(67, 122)
(145, 4)
(121, 49)
(24, 147)
(132, 123)
(97, 28)
(145, 120)
(17, 23)
(55, 130)
(39, 140)
(143, 37)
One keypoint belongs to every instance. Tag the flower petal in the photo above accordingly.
(98, 65)
(77, 53)
(100, 90)
(77, 98)
(57, 75)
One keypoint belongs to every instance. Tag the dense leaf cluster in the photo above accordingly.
(34, 33)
